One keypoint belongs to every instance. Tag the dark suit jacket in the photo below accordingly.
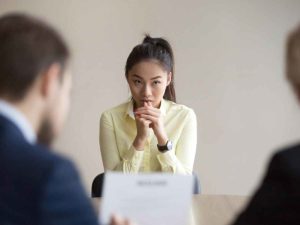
(277, 200)
(38, 187)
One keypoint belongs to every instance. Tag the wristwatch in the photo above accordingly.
(164, 148)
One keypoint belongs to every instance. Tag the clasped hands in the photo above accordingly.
(148, 117)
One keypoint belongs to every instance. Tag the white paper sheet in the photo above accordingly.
(147, 199)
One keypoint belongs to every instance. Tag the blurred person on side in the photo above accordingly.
(37, 187)
(277, 200)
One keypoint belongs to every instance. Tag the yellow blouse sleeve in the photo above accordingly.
(181, 159)
(111, 158)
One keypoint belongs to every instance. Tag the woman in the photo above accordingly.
(150, 133)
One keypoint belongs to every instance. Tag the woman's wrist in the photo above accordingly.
(139, 143)
(162, 139)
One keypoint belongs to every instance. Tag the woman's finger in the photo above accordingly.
(149, 104)
(155, 113)
(151, 118)
(144, 121)
(116, 220)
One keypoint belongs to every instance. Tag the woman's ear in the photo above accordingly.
(169, 78)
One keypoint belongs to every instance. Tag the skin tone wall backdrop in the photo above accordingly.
(229, 68)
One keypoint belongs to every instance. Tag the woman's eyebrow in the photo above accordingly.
(135, 75)
(153, 78)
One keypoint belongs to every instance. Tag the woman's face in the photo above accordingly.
(147, 82)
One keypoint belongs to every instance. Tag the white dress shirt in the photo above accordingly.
(16, 117)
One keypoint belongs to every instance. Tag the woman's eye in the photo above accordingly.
(156, 82)
(137, 82)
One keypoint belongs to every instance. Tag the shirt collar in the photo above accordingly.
(15, 116)
(163, 107)
(129, 111)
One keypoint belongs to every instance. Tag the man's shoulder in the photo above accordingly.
(17, 152)
(45, 152)
(30, 169)
(32, 159)
(287, 160)
(42, 154)
(290, 153)
(55, 162)
(292, 150)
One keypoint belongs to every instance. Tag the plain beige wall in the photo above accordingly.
(229, 69)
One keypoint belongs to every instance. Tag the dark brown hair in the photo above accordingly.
(157, 49)
(27, 48)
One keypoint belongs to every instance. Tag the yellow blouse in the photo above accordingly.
(118, 131)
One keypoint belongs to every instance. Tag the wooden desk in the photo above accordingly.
(210, 209)
(216, 209)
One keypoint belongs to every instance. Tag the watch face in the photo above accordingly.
(169, 145)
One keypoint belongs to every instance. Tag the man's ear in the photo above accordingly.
(169, 79)
(50, 80)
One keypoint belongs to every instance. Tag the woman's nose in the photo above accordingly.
(147, 91)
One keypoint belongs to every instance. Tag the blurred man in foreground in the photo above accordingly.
(277, 200)
(37, 187)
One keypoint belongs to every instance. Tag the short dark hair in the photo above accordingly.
(28, 47)
(157, 49)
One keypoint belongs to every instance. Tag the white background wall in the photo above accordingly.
(229, 69)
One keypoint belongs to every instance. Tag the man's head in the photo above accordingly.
(33, 72)
(293, 60)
